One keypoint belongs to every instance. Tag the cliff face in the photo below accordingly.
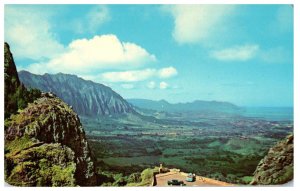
(86, 97)
(39, 164)
(51, 136)
(10, 70)
(11, 81)
(277, 167)
(16, 96)
(47, 135)
(45, 143)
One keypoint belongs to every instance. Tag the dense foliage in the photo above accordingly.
(121, 176)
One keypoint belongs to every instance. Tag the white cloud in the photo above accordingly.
(167, 72)
(163, 85)
(101, 52)
(138, 75)
(196, 23)
(94, 19)
(128, 76)
(236, 53)
(29, 31)
(151, 85)
(127, 86)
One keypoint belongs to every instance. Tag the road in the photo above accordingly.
(162, 179)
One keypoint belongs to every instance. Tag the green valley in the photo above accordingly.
(226, 149)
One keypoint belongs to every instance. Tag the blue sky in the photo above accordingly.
(237, 53)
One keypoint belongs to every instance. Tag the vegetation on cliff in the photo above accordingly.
(45, 143)
(16, 95)
(277, 167)
(128, 177)
(38, 164)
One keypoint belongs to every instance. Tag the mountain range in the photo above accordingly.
(86, 97)
(195, 106)
(94, 99)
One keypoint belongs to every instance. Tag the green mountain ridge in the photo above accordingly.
(86, 97)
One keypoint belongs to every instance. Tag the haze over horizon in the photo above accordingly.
(241, 54)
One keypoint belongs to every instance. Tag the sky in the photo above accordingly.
(241, 54)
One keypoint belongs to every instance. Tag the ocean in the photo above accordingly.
(270, 113)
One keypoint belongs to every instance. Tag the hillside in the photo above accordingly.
(86, 97)
(277, 167)
(45, 143)
(195, 106)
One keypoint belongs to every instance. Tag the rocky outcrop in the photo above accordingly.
(52, 136)
(277, 166)
(45, 143)
(39, 164)
(87, 98)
